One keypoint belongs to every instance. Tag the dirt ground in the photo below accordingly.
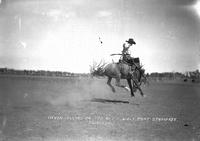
(82, 109)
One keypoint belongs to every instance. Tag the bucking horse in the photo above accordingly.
(118, 71)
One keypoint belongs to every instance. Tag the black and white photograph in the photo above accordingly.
(99, 70)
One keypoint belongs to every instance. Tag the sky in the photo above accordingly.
(66, 35)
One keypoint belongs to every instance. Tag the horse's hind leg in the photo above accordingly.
(118, 84)
(109, 84)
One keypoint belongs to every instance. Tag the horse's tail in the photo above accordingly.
(97, 70)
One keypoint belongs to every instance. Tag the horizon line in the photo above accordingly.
(10, 68)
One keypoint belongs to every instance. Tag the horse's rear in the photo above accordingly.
(117, 70)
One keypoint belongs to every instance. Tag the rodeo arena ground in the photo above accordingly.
(46, 106)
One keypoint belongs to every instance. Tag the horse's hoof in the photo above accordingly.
(127, 88)
(144, 96)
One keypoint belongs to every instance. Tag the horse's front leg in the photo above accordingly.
(130, 86)
(138, 87)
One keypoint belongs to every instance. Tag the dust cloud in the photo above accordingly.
(20, 91)
(78, 91)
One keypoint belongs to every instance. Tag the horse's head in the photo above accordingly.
(138, 73)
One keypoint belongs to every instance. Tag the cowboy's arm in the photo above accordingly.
(125, 49)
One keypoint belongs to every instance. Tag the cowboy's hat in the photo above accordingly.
(131, 41)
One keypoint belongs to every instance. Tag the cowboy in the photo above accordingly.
(126, 56)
